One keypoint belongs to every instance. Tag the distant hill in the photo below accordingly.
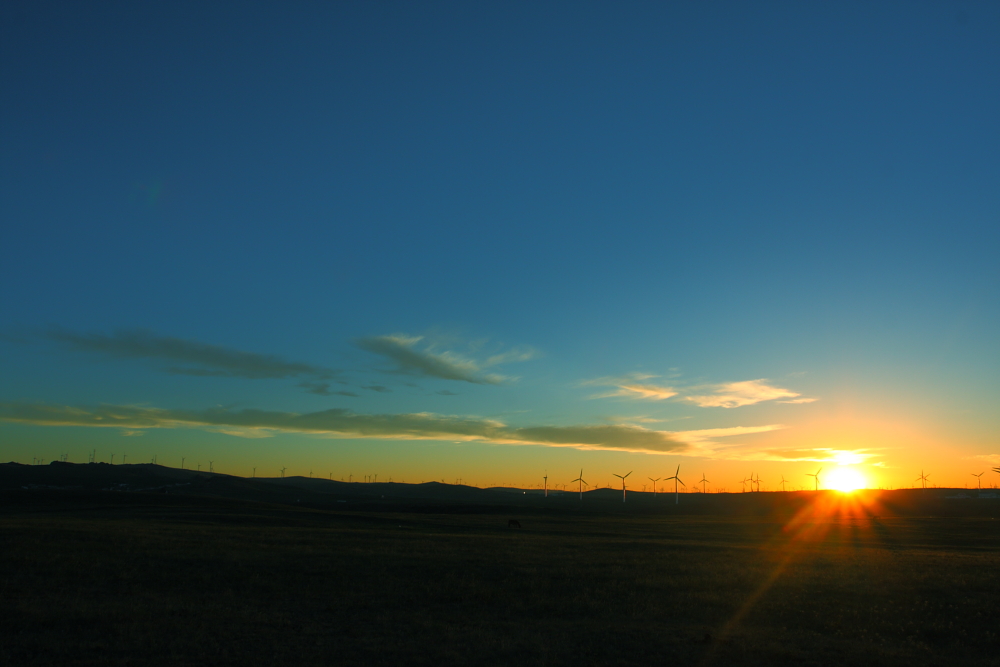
(146, 478)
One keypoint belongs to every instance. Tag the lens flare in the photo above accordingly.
(845, 480)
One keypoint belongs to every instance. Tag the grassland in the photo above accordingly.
(140, 579)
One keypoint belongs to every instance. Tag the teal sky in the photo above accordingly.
(494, 242)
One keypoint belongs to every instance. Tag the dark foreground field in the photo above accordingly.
(96, 578)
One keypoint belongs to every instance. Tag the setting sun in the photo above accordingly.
(845, 480)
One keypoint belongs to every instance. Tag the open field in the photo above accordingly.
(99, 578)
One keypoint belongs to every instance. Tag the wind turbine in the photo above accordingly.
(582, 482)
(677, 497)
(922, 479)
(815, 477)
(703, 483)
(979, 478)
(283, 472)
(758, 483)
(782, 483)
(546, 478)
(654, 481)
(744, 483)
(623, 482)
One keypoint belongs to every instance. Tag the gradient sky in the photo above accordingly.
(497, 241)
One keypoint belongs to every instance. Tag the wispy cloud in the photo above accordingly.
(412, 358)
(993, 459)
(820, 455)
(631, 386)
(727, 395)
(343, 423)
(706, 434)
(187, 357)
(323, 389)
(738, 394)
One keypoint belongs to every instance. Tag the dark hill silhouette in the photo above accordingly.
(147, 478)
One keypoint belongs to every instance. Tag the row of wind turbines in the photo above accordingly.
(676, 477)
(752, 480)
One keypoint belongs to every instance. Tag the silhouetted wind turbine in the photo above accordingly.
(979, 478)
(182, 463)
(582, 482)
(677, 496)
(815, 476)
(922, 479)
(210, 468)
(758, 483)
(546, 478)
(654, 481)
(703, 482)
(283, 472)
(744, 483)
(623, 482)
(782, 483)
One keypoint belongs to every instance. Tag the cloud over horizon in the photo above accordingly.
(402, 350)
(343, 423)
(198, 359)
(631, 386)
(738, 394)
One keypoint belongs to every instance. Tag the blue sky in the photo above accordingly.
(403, 201)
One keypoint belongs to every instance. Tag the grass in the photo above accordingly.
(189, 581)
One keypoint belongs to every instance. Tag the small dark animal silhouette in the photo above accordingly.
(513, 523)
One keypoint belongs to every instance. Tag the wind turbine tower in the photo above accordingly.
(815, 476)
(582, 482)
(703, 483)
(979, 478)
(654, 481)
(623, 482)
(546, 480)
(782, 483)
(676, 478)
(922, 479)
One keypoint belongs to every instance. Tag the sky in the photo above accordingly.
(492, 242)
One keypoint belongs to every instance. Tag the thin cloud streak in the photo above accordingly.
(343, 423)
(738, 394)
(201, 359)
(401, 349)
(631, 386)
